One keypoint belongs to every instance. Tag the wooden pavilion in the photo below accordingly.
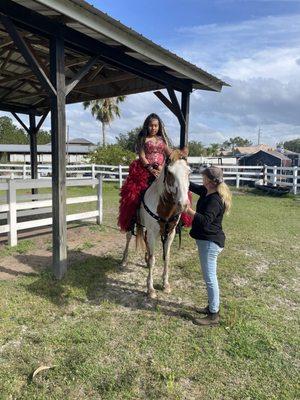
(58, 52)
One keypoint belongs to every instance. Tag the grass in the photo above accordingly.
(104, 341)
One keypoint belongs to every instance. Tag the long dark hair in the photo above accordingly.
(144, 132)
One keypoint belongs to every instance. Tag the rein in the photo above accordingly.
(165, 221)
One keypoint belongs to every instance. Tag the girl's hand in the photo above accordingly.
(155, 172)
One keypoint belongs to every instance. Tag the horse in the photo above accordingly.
(159, 213)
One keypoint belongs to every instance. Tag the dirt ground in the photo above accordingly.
(83, 241)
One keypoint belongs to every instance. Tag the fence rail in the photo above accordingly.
(41, 204)
(288, 176)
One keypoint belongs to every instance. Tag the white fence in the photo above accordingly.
(80, 171)
(18, 205)
(288, 176)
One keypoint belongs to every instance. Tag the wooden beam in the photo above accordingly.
(27, 96)
(21, 122)
(27, 54)
(6, 43)
(41, 121)
(104, 81)
(15, 77)
(58, 140)
(185, 108)
(17, 108)
(10, 89)
(176, 105)
(5, 62)
(33, 149)
(166, 101)
(80, 74)
(34, 22)
(94, 73)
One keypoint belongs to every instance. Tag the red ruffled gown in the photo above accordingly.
(137, 181)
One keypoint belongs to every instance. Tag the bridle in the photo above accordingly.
(165, 221)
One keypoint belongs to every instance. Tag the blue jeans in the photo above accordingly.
(208, 254)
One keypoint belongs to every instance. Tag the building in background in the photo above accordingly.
(77, 151)
(264, 157)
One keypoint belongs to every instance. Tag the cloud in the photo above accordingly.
(258, 57)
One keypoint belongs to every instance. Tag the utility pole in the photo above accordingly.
(258, 136)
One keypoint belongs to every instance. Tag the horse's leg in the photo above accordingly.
(167, 245)
(125, 254)
(151, 262)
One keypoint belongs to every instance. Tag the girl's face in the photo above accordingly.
(153, 127)
(208, 184)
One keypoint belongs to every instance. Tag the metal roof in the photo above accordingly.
(19, 87)
(44, 148)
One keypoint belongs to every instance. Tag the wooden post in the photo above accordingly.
(12, 213)
(93, 174)
(237, 179)
(33, 148)
(185, 108)
(24, 171)
(100, 199)
(58, 139)
(295, 179)
(265, 174)
(274, 180)
(120, 176)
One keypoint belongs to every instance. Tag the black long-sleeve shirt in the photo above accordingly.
(207, 222)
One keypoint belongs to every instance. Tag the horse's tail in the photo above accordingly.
(139, 240)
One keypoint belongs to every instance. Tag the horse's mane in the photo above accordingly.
(175, 156)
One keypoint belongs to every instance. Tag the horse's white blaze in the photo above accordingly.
(180, 171)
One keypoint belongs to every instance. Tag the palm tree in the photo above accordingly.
(214, 149)
(105, 111)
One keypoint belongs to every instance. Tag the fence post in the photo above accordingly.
(100, 199)
(265, 174)
(237, 179)
(12, 213)
(274, 179)
(24, 171)
(295, 179)
(93, 173)
(120, 176)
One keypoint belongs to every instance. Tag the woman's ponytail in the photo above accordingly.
(225, 195)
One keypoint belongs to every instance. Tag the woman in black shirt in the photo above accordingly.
(214, 201)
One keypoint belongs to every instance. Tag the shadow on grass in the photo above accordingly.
(88, 280)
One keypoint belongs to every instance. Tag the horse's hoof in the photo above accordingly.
(167, 289)
(123, 264)
(152, 294)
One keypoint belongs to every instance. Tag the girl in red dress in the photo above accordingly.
(152, 148)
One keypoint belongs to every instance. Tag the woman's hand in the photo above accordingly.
(190, 211)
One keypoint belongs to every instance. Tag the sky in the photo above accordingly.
(252, 45)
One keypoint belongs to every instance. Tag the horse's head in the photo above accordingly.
(176, 178)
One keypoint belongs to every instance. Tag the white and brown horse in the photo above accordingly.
(159, 213)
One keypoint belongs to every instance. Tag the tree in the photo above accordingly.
(10, 133)
(196, 149)
(235, 142)
(105, 111)
(128, 140)
(213, 149)
(112, 154)
(292, 145)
